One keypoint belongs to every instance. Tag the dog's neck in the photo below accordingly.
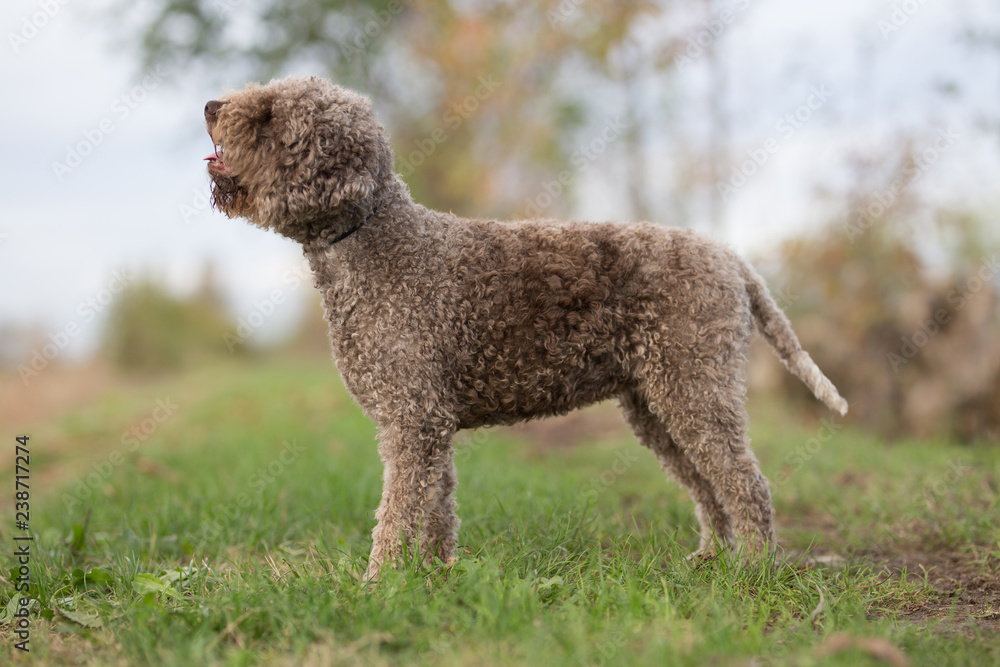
(343, 235)
(339, 235)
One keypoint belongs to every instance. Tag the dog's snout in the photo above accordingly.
(212, 110)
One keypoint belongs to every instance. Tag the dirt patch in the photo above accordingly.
(596, 423)
(54, 391)
(35, 408)
(967, 587)
(808, 520)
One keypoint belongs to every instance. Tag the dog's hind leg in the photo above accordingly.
(652, 433)
(706, 417)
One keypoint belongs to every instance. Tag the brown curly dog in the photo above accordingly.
(439, 323)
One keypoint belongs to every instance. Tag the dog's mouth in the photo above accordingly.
(216, 164)
(228, 195)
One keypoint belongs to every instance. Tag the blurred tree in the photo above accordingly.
(150, 331)
(487, 101)
(981, 34)
(901, 312)
(311, 340)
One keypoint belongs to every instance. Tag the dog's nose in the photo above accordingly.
(212, 110)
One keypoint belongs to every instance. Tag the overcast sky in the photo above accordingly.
(136, 200)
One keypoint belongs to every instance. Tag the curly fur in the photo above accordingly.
(440, 323)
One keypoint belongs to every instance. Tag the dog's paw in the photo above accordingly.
(701, 556)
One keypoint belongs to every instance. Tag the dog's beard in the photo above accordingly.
(229, 197)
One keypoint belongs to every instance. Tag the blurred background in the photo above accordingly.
(850, 150)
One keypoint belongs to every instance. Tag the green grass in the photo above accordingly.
(238, 532)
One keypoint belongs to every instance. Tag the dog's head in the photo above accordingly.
(296, 155)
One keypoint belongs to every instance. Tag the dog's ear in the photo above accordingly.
(250, 120)
(332, 154)
(348, 143)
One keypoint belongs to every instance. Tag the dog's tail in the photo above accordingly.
(777, 330)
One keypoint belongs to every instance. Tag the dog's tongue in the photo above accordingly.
(216, 165)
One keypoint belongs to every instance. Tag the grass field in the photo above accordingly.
(232, 527)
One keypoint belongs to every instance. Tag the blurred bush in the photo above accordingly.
(148, 330)
(311, 340)
(901, 311)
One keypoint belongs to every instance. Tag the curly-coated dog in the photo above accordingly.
(440, 323)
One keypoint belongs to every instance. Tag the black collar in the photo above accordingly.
(343, 235)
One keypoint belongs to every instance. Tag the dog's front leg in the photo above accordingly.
(417, 512)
